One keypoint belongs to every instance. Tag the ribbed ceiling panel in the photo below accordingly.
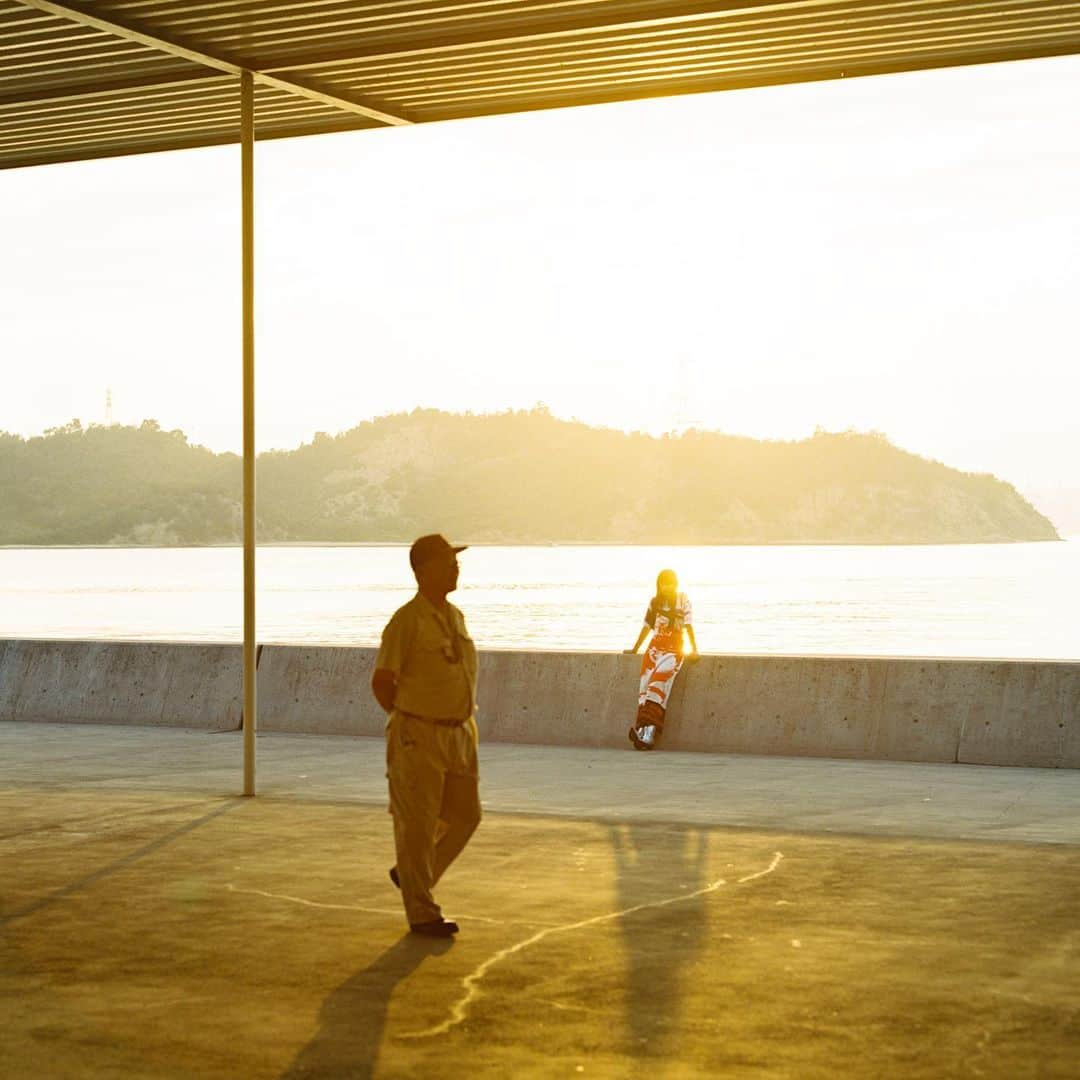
(126, 76)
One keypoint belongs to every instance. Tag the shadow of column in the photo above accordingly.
(353, 1017)
(654, 863)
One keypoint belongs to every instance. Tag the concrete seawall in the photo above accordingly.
(970, 711)
(119, 682)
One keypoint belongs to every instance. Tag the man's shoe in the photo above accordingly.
(442, 928)
(394, 877)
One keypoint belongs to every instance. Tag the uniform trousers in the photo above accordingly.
(435, 803)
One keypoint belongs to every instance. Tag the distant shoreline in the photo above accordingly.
(508, 475)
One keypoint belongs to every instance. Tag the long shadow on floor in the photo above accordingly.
(652, 864)
(353, 1017)
(122, 863)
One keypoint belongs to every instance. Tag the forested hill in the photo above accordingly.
(515, 477)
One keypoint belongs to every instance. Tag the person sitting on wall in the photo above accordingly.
(668, 619)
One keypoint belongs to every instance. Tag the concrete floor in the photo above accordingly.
(622, 915)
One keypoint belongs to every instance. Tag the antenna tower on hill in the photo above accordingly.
(686, 400)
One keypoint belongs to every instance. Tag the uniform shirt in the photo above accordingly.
(433, 659)
(668, 623)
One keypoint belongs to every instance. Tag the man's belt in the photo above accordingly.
(437, 721)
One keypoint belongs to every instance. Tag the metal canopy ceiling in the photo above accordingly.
(82, 80)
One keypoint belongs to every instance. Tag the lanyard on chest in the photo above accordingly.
(451, 649)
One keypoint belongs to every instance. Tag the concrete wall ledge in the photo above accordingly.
(121, 682)
(986, 712)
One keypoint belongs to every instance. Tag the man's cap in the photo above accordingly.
(428, 547)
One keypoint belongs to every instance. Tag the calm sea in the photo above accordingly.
(1013, 600)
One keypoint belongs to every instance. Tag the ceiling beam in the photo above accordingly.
(79, 91)
(851, 67)
(357, 104)
(125, 148)
(676, 16)
(542, 29)
(680, 16)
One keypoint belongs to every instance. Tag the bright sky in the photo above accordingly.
(896, 253)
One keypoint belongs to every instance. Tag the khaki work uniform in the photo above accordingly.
(431, 744)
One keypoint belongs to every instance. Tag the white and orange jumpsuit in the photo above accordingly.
(663, 657)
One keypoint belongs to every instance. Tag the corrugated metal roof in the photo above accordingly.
(81, 80)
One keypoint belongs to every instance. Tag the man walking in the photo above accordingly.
(425, 678)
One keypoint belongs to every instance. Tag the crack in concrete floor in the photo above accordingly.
(470, 983)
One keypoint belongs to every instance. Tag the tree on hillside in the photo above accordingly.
(515, 476)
